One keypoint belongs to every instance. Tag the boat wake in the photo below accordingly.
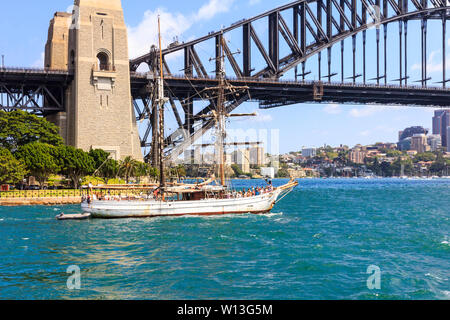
(273, 214)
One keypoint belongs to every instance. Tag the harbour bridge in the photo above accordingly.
(275, 69)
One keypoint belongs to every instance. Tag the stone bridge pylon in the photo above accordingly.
(91, 43)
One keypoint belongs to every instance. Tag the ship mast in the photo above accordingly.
(221, 113)
(220, 116)
(161, 103)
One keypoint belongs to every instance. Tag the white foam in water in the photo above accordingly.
(445, 242)
(273, 214)
(25, 238)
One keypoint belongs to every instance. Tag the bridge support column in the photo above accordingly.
(99, 107)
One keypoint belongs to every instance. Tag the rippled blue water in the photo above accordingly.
(317, 244)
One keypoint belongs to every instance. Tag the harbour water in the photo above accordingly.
(316, 244)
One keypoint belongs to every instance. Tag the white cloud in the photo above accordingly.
(434, 63)
(371, 109)
(39, 63)
(141, 37)
(364, 111)
(212, 8)
(332, 109)
(173, 25)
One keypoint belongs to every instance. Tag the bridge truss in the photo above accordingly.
(35, 90)
(307, 28)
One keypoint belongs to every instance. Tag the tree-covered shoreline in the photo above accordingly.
(32, 146)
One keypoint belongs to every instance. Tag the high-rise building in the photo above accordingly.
(435, 142)
(441, 121)
(241, 157)
(448, 139)
(437, 122)
(257, 156)
(419, 143)
(445, 124)
(404, 145)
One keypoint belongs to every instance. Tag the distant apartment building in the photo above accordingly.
(309, 152)
(257, 156)
(435, 142)
(405, 142)
(358, 154)
(193, 156)
(404, 145)
(419, 143)
(228, 159)
(241, 158)
(268, 172)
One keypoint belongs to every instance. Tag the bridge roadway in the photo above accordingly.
(272, 93)
(21, 87)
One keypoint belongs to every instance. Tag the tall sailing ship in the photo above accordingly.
(211, 197)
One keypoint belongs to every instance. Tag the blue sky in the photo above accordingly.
(23, 32)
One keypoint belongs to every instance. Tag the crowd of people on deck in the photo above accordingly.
(155, 195)
(250, 192)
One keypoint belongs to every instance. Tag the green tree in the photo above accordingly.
(332, 155)
(110, 169)
(128, 167)
(393, 153)
(142, 170)
(386, 169)
(407, 165)
(105, 167)
(438, 166)
(283, 173)
(374, 165)
(39, 159)
(19, 128)
(75, 164)
(178, 171)
(153, 173)
(237, 171)
(426, 156)
(99, 156)
(12, 170)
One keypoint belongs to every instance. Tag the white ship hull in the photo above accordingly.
(151, 208)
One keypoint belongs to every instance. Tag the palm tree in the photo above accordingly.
(128, 167)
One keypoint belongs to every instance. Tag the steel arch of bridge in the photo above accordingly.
(328, 22)
(345, 16)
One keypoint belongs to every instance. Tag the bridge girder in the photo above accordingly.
(38, 91)
(328, 23)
